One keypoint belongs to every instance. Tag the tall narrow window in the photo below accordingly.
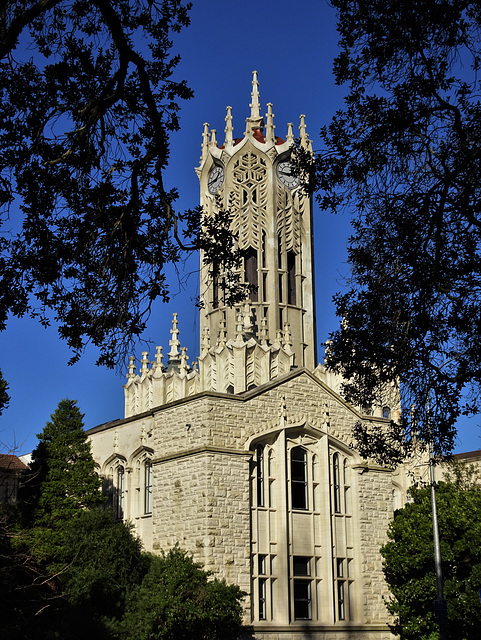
(148, 487)
(215, 288)
(260, 476)
(341, 589)
(262, 598)
(341, 609)
(291, 278)
(250, 275)
(337, 483)
(299, 478)
(120, 491)
(301, 570)
(264, 249)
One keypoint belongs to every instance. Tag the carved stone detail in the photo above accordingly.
(249, 199)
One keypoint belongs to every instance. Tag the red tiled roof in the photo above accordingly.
(11, 462)
(259, 136)
(469, 455)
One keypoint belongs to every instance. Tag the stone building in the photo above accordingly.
(245, 458)
(11, 470)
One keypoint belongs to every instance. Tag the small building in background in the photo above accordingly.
(11, 470)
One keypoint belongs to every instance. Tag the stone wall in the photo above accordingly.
(202, 450)
(201, 502)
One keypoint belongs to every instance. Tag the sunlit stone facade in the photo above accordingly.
(245, 458)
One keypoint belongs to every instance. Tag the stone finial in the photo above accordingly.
(205, 142)
(290, 134)
(287, 337)
(263, 336)
(213, 138)
(229, 139)
(255, 104)
(305, 142)
(159, 356)
(131, 373)
(240, 327)
(247, 320)
(174, 343)
(205, 346)
(270, 138)
(222, 337)
(183, 359)
(145, 363)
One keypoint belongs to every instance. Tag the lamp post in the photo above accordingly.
(440, 605)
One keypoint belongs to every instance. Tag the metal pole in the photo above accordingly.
(440, 606)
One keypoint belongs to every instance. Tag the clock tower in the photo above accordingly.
(252, 178)
(245, 458)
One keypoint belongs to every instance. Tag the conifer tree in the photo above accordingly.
(61, 483)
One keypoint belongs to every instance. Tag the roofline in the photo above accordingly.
(239, 397)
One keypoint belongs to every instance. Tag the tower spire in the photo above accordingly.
(270, 138)
(255, 121)
(255, 104)
(228, 129)
(205, 142)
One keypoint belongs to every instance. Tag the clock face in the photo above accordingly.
(286, 175)
(216, 179)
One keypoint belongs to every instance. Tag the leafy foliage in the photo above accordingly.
(28, 595)
(404, 157)
(409, 561)
(4, 397)
(177, 600)
(60, 484)
(105, 561)
(87, 104)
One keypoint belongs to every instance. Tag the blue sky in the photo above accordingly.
(292, 46)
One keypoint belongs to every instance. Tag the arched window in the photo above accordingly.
(299, 478)
(386, 412)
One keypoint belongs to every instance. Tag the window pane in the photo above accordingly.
(340, 568)
(340, 601)
(337, 482)
(260, 476)
(298, 471)
(302, 599)
(120, 493)
(299, 497)
(261, 564)
(299, 478)
(301, 566)
(291, 278)
(148, 488)
(262, 598)
(250, 276)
